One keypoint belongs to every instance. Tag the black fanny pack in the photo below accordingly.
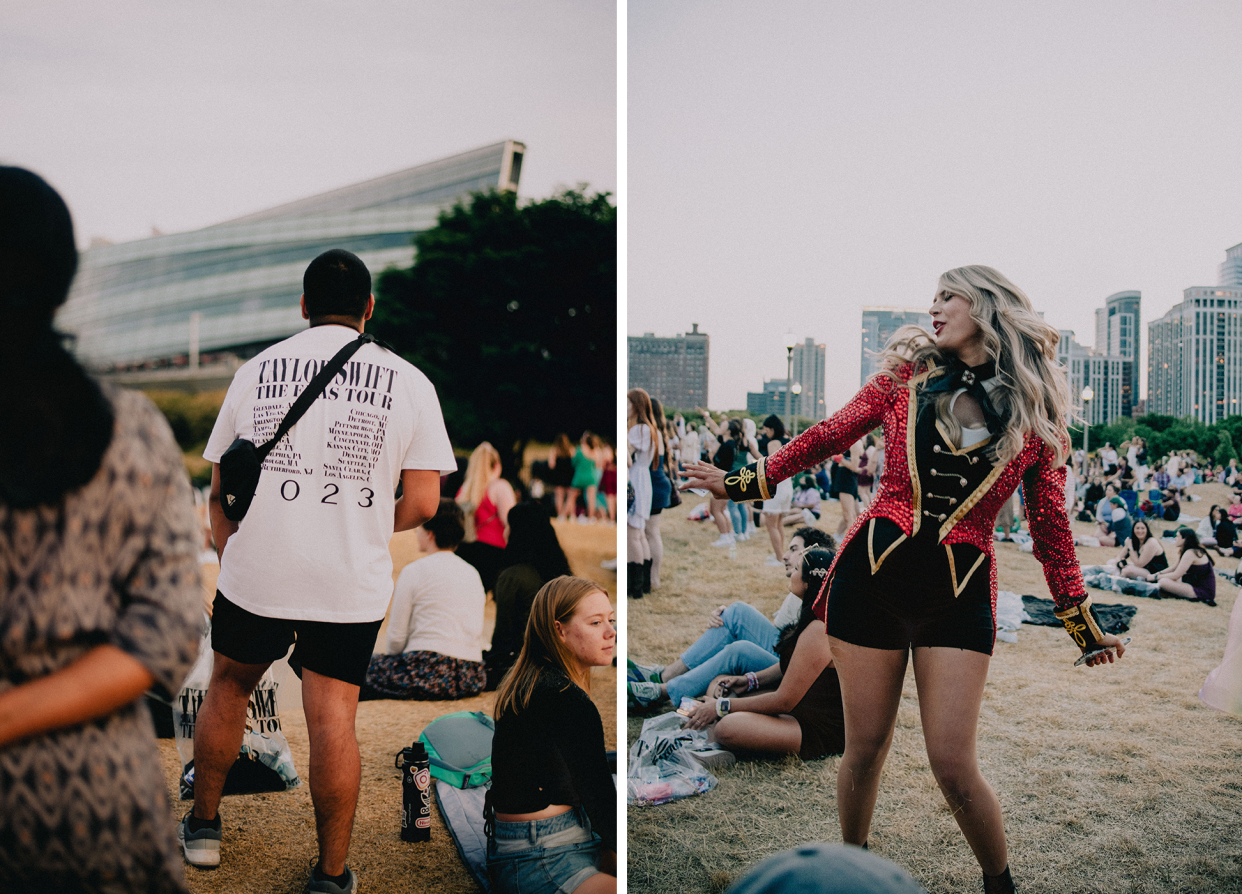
(243, 461)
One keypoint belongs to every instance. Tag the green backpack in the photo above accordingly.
(459, 747)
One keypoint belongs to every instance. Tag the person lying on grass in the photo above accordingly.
(738, 639)
(801, 712)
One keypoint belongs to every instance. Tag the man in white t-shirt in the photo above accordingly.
(434, 646)
(310, 560)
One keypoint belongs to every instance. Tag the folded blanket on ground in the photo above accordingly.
(1113, 618)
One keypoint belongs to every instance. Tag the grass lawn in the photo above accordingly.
(1113, 779)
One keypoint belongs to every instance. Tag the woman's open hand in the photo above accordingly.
(706, 477)
(1110, 642)
(703, 715)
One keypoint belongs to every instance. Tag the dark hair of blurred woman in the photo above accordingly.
(532, 541)
(57, 422)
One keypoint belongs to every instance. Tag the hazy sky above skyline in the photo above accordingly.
(788, 164)
(144, 113)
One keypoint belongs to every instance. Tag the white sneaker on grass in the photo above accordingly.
(642, 673)
(725, 540)
(644, 694)
(774, 562)
(201, 848)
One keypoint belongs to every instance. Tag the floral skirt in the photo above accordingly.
(422, 676)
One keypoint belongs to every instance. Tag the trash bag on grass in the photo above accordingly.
(662, 764)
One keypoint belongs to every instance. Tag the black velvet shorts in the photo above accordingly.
(923, 593)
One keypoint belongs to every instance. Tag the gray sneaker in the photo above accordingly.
(201, 848)
(330, 887)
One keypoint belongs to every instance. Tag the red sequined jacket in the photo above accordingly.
(899, 494)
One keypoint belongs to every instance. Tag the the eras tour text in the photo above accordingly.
(353, 442)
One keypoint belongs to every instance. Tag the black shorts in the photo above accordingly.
(909, 600)
(339, 651)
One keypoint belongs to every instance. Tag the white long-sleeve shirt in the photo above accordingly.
(437, 607)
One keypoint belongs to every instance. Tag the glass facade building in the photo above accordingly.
(1117, 334)
(235, 287)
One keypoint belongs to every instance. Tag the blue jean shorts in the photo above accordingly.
(548, 856)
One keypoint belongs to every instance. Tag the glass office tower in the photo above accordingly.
(235, 287)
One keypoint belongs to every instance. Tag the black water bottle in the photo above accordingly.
(415, 793)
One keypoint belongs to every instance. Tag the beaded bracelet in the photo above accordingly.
(752, 681)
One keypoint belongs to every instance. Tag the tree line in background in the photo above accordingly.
(509, 309)
(1164, 434)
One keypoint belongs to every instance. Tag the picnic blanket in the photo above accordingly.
(1113, 618)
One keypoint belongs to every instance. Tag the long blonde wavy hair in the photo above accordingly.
(542, 646)
(1034, 387)
(478, 476)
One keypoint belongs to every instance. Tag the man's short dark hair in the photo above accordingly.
(448, 526)
(336, 283)
(814, 537)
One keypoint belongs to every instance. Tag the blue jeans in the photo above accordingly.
(548, 856)
(739, 514)
(745, 643)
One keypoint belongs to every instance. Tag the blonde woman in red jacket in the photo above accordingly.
(968, 413)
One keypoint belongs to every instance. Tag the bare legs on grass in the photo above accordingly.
(772, 521)
(950, 686)
(655, 548)
(335, 766)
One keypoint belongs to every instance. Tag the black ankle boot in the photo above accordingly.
(647, 576)
(998, 884)
(634, 580)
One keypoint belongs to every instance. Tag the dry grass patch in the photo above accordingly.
(269, 839)
(1113, 779)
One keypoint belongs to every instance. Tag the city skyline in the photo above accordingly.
(786, 168)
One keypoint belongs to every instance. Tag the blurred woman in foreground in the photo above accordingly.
(99, 591)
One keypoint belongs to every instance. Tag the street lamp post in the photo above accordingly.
(789, 346)
(797, 390)
(1087, 394)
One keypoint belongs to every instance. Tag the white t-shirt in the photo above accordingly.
(789, 611)
(314, 545)
(438, 607)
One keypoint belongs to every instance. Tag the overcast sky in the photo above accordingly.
(789, 163)
(179, 115)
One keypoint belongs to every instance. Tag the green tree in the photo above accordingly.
(511, 310)
(1225, 450)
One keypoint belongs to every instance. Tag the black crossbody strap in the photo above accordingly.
(313, 390)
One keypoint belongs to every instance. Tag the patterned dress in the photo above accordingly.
(84, 808)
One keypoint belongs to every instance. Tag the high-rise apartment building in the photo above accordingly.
(671, 369)
(1231, 269)
(878, 325)
(1194, 365)
(1103, 372)
(809, 370)
(1117, 335)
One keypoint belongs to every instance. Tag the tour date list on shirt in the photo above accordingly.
(357, 401)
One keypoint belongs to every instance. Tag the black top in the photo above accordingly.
(724, 456)
(1226, 533)
(552, 752)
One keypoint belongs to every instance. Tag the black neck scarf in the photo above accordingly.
(956, 375)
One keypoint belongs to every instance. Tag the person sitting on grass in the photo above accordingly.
(1114, 530)
(1170, 505)
(738, 639)
(434, 646)
(551, 814)
(802, 712)
(1193, 578)
(1143, 556)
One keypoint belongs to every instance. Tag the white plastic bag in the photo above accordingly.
(662, 766)
(263, 743)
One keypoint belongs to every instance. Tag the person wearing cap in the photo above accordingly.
(1116, 526)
